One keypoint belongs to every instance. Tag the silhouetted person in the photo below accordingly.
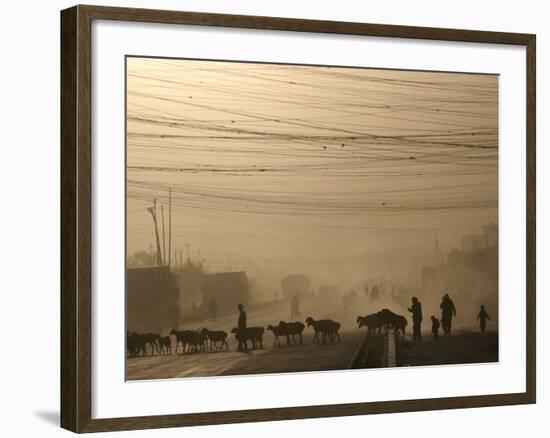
(448, 310)
(435, 328)
(295, 307)
(375, 293)
(213, 309)
(482, 317)
(193, 308)
(241, 326)
(416, 310)
(345, 301)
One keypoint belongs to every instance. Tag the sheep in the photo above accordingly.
(372, 322)
(277, 331)
(325, 330)
(151, 339)
(400, 324)
(383, 318)
(253, 334)
(393, 320)
(165, 344)
(292, 329)
(215, 336)
(135, 344)
(183, 336)
(197, 341)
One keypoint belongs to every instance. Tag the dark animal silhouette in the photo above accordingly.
(198, 341)
(278, 331)
(253, 334)
(216, 336)
(165, 344)
(152, 340)
(293, 329)
(372, 322)
(326, 330)
(135, 344)
(184, 337)
(392, 320)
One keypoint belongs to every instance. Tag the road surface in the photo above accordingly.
(293, 358)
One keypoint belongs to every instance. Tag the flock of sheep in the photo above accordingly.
(195, 341)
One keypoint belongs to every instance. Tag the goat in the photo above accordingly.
(215, 336)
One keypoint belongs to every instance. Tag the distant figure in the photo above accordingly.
(435, 328)
(374, 293)
(482, 317)
(416, 310)
(345, 301)
(295, 307)
(193, 308)
(213, 309)
(448, 310)
(241, 326)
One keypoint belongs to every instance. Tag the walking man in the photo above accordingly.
(416, 310)
(448, 311)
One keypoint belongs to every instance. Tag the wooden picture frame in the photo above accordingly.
(76, 217)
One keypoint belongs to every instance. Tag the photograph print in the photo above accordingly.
(296, 218)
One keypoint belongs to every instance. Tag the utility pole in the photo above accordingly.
(169, 225)
(153, 211)
(163, 236)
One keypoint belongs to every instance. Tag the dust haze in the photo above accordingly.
(350, 177)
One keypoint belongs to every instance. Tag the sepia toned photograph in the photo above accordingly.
(302, 218)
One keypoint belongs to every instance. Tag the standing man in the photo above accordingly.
(448, 310)
(482, 317)
(241, 326)
(416, 310)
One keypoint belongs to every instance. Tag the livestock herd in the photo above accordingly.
(326, 331)
(385, 318)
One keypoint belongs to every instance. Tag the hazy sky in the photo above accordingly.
(298, 168)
